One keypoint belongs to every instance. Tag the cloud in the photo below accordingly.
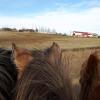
(61, 20)
(87, 4)
(77, 6)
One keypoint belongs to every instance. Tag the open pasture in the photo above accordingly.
(39, 40)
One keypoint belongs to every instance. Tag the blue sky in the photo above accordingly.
(20, 7)
(62, 15)
(27, 7)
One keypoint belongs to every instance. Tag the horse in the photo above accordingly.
(44, 77)
(90, 78)
(8, 75)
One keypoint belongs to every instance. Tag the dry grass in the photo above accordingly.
(38, 40)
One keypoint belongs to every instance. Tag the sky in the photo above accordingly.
(64, 16)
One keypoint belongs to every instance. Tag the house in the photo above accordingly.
(82, 34)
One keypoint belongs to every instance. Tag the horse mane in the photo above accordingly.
(88, 75)
(5, 52)
(45, 78)
(8, 75)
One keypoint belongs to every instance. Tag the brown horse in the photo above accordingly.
(90, 78)
(44, 77)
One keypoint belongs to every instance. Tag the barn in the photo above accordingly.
(82, 34)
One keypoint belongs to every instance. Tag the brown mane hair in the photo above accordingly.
(90, 78)
(45, 78)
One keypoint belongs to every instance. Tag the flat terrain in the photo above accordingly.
(75, 58)
(39, 40)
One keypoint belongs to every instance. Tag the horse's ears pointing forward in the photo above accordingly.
(21, 57)
(54, 53)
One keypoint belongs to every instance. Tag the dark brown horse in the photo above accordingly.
(8, 75)
(44, 77)
(90, 78)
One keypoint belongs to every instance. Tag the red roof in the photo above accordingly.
(83, 33)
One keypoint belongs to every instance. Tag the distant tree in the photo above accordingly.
(26, 30)
(14, 29)
(48, 30)
(20, 30)
(36, 30)
(53, 31)
(6, 29)
(95, 35)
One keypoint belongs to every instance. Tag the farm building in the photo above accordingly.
(82, 34)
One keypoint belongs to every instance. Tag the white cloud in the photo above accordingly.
(61, 20)
(86, 3)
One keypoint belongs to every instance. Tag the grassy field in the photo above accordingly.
(75, 59)
(39, 40)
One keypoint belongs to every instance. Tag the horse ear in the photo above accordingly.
(21, 57)
(14, 50)
(87, 74)
(13, 45)
(54, 53)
